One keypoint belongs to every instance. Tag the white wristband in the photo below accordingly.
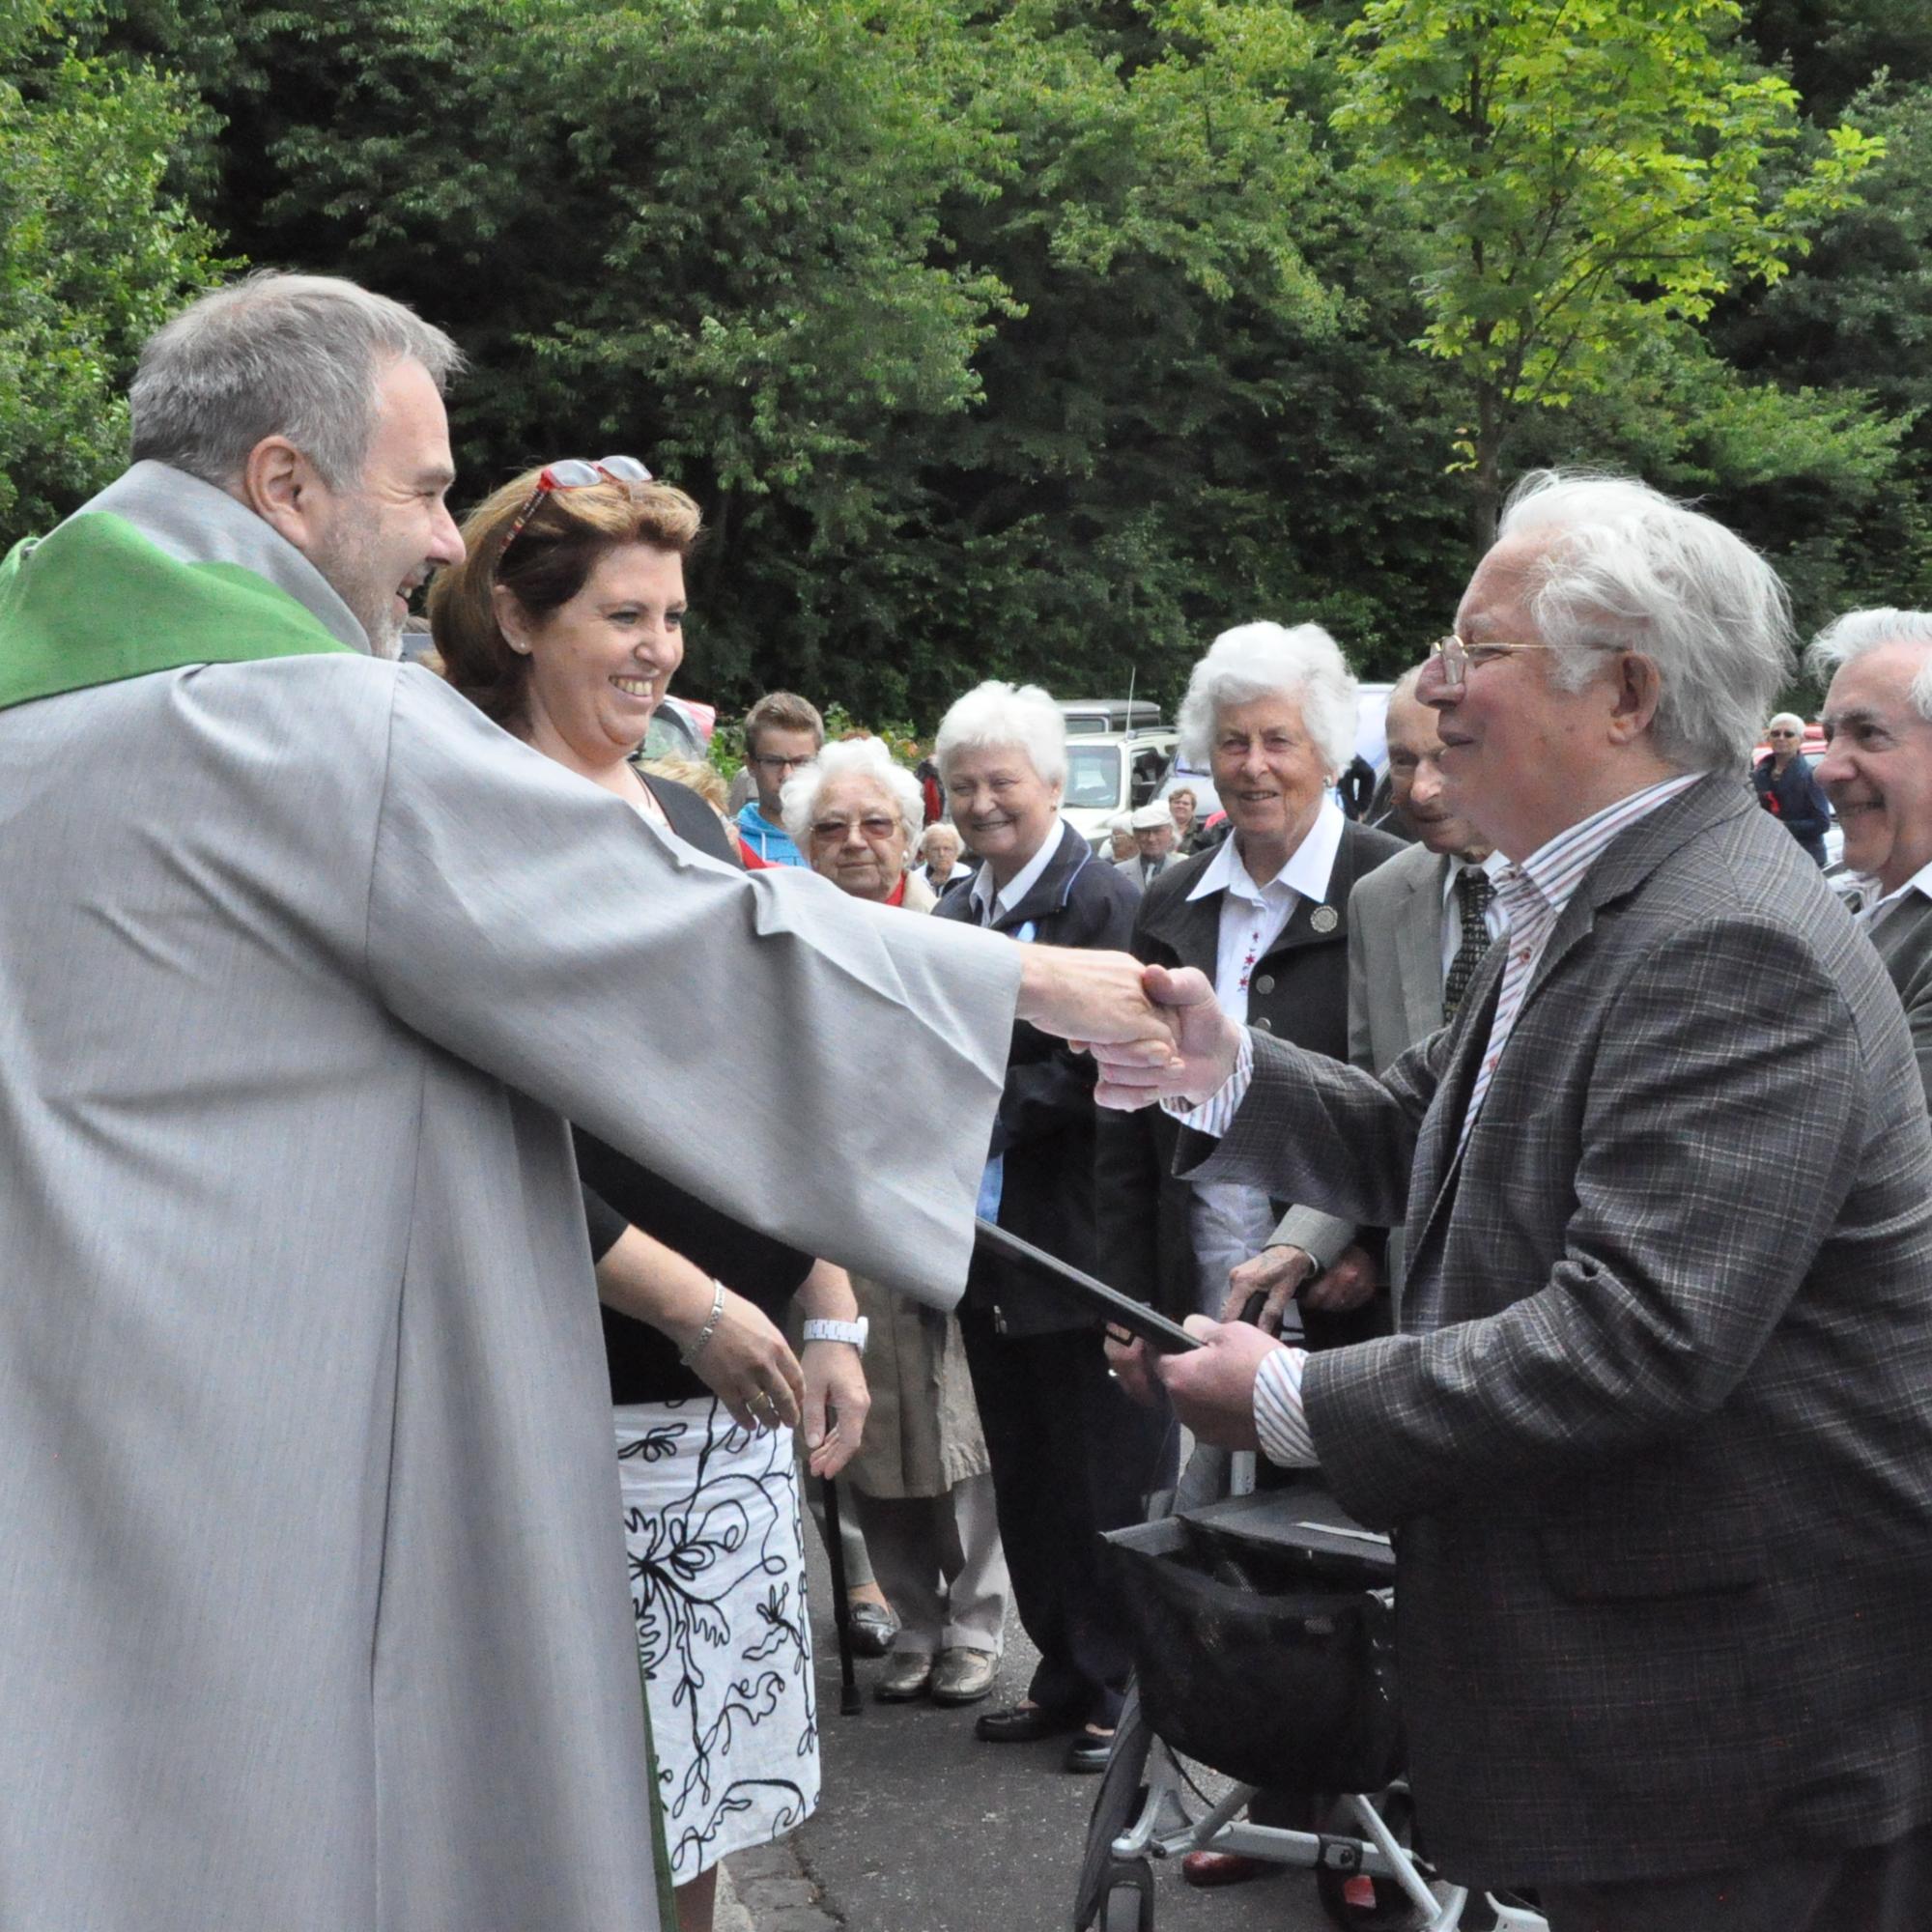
(854, 1332)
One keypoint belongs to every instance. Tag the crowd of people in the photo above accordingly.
(1547, 1166)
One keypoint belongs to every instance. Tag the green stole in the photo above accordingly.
(96, 601)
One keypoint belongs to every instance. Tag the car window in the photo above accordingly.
(1092, 775)
(1150, 767)
(670, 736)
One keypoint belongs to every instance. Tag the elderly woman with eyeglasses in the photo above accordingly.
(1789, 790)
(564, 623)
(923, 1494)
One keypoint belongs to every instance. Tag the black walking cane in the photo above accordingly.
(849, 1704)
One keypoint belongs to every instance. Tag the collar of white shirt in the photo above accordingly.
(1875, 909)
(1553, 871)
(1003, 900)
(1492, 868)
(1307, 871)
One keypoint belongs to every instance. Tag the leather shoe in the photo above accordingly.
(962, 1675)
(905, 1677)
(1089, 1751)
(873, 1628)
(1211, 1869)
(1022, 1723)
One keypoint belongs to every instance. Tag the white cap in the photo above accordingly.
(1150, 817)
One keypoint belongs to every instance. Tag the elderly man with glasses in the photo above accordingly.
(1653, 1438)
(1788, 788)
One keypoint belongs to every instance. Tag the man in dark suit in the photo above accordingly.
(1071, 1455)
(1877, 774)
(1418, 928)
(1655, 1440)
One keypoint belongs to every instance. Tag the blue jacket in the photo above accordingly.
(771, 842)
(1797, 799)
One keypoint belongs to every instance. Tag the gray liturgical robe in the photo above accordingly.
(312, 1613)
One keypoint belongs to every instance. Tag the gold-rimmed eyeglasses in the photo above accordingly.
(1457, 659)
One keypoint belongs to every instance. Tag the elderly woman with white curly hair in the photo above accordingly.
(921, 1478)
(1270, 712)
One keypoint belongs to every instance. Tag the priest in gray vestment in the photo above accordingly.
(312, 1614)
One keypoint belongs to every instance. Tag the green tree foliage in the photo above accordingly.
(94, 254)
(1049, 337)
(1594, 177)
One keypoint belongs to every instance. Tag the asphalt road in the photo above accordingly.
(922, 1828)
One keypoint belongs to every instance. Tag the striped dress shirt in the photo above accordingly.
(1533, 896)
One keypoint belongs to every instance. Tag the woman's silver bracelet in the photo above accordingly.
(710, 1328)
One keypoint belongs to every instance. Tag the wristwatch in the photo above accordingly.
(853, 1332)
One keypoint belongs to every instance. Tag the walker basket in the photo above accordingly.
(1259, 1643)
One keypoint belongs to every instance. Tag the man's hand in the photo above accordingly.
(1276, 1272)
(1203, 1054)
(1205, 1045)
(1350, 1281)
(1128, 1362)
(1094, 999)
(1279, 1273)
(1212, 1387)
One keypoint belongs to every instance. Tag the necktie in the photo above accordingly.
(1473, 893)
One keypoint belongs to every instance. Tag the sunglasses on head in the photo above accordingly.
(576, 472)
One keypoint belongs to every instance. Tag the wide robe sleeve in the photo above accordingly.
(536, 925)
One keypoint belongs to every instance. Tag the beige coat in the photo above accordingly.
(922, 1434)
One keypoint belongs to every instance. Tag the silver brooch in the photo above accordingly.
(1324, 919)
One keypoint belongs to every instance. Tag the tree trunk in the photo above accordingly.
(1487, 500)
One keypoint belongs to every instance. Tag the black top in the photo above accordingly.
(642, 1362)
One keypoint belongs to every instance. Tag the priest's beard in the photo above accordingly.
(350, 557)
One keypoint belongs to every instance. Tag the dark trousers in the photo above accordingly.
(1883, 1888)
(1070, 1456)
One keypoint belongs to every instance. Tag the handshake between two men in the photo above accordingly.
(1156, 1033)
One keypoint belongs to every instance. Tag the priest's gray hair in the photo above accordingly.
(1858, 632)
(850, 757)
(994, 717)
(1255, 661)
(1623, 566)
(276, 354)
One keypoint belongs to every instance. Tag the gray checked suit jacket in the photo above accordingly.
(1904, 942)
(1656, 1442)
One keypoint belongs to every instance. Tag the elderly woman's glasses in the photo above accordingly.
(1457, 659)
(575, 472)
(839, 829)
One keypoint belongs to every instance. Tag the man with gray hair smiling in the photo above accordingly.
(1654, 1439)
(314, 1615)
(1877, 774)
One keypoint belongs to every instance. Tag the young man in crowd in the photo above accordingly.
(783, 732)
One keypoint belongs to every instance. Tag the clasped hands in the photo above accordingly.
(1156, 1033)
